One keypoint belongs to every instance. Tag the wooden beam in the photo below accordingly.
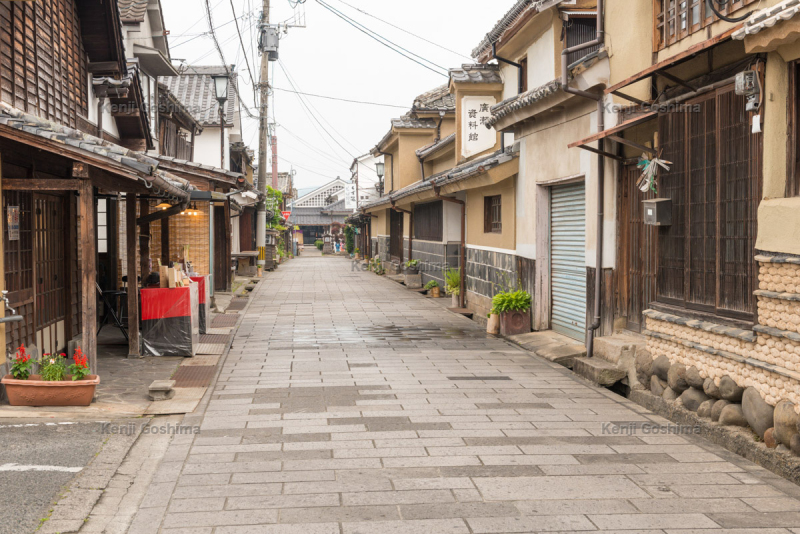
(88, 273)
(103, 66)
(674, 60)
(159, 215)
(133, 267)
(675, 79)
(630, 98)
(601, 152)
(165, 241)
(144, 240)
(40, 184)
(616, 129)
(632, 144)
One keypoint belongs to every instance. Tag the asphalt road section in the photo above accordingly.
(37, 461)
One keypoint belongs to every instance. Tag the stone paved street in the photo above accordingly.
(349, 404)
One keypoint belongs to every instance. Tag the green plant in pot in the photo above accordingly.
(433, 289)
(452, 284)
(56, 384)
(412, 267)
(514, 311)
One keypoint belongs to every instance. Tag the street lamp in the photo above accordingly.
(380, 169)
(221, 90)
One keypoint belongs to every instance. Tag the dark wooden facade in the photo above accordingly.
(43, 64)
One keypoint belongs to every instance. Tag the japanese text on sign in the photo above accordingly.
(475, 136)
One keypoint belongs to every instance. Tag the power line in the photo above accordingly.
(382, 40)
(313, 116)
(207, 33)
(341, 99)
(337, 132)
(241, 41)
(406, 31)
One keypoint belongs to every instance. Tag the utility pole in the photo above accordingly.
(261, 216)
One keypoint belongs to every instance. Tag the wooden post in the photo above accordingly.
(133, 285)
(165, 242)
(144, 241)
(228, 250)
(88, 246)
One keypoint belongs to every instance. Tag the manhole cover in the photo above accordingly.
(214, 338)
(193, 376)
(221, 321)
(237, 304)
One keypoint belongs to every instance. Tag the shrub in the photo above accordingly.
(319, 243)
(509, 301)
(452, 279)
(430, 285)
(349, 239)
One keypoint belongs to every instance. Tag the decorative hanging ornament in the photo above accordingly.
(649, 167)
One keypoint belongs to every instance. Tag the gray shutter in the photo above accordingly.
(568, 260)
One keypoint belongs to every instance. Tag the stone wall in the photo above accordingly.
(488, 272)
(380, 248)
(434, 258)
(764, 360)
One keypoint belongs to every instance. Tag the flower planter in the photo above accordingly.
(436, 292)
(493, 326)
(37, 392)
(412, 270)
(456, 303)
(515, 322)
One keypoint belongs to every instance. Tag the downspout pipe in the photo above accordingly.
(599, 41)
(520, 81)
(462, 289)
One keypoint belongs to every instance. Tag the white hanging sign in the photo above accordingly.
(475, 136)
(350, 200)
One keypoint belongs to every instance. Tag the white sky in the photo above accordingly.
(331, 58)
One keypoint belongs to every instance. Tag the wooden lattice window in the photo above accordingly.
(579, 30)
(428, 221)
(492, 215)
(677, 19)
(706, 257)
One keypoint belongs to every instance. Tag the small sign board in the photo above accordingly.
(13, 223)
(476, 137)
(350, 200)
(286, 214)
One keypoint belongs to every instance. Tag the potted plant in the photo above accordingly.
(452, 286)
(358, 253)
(412, 267)
(434, 289)
(56, 385)
(514, 310)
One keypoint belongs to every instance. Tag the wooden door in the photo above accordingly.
(220, 246)
(49, 231)
(396, 236)
(246, 231)
(637, 251)
(19, 265)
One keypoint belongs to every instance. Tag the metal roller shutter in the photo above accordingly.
(568, 255)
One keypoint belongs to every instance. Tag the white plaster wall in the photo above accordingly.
(109, 124)
(451, 218)
(207, 147)
(541, 60)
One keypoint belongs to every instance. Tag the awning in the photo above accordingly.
(611, 134)
(153, 61)
(660, 68)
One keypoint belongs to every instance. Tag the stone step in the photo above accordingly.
(161, 390)
(613, 348)
(598, 371)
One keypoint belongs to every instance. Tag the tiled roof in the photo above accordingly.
(169, 103)
(456, 174)
(194, 165)
(438, 99)
(143, 166)
(425, 151)
(767, 18)
(476, 74)
(520, 8)
(408, 121)
(510, 105)
(284, 183)
(195, 89)
(132, 10)
(336, 207)
(314, 217)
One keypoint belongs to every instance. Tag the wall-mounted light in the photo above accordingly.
(380, 169)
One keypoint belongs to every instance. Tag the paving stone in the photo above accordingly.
(334, 414)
